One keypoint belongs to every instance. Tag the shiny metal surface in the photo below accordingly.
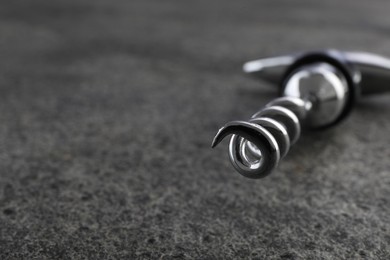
(298, 106)
(318, 90)
(269, 69)
(324, 86)
(260, 137)
(257, 145)
(277, 129)
(286, 117)
(372, 71)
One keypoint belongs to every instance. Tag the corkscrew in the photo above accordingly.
(317, 90)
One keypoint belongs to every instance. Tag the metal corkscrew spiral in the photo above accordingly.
(318, 90)
(269, 134)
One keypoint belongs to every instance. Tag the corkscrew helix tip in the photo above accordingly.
(318, 90)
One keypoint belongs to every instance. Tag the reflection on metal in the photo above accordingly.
(372, 71)
(318, 89)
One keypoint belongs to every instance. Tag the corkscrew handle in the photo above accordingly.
(371, 71)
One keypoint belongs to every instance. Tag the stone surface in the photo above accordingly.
(108, 109)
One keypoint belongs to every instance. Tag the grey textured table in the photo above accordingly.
(108, 109)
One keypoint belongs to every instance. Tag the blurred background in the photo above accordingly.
(108, 110)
